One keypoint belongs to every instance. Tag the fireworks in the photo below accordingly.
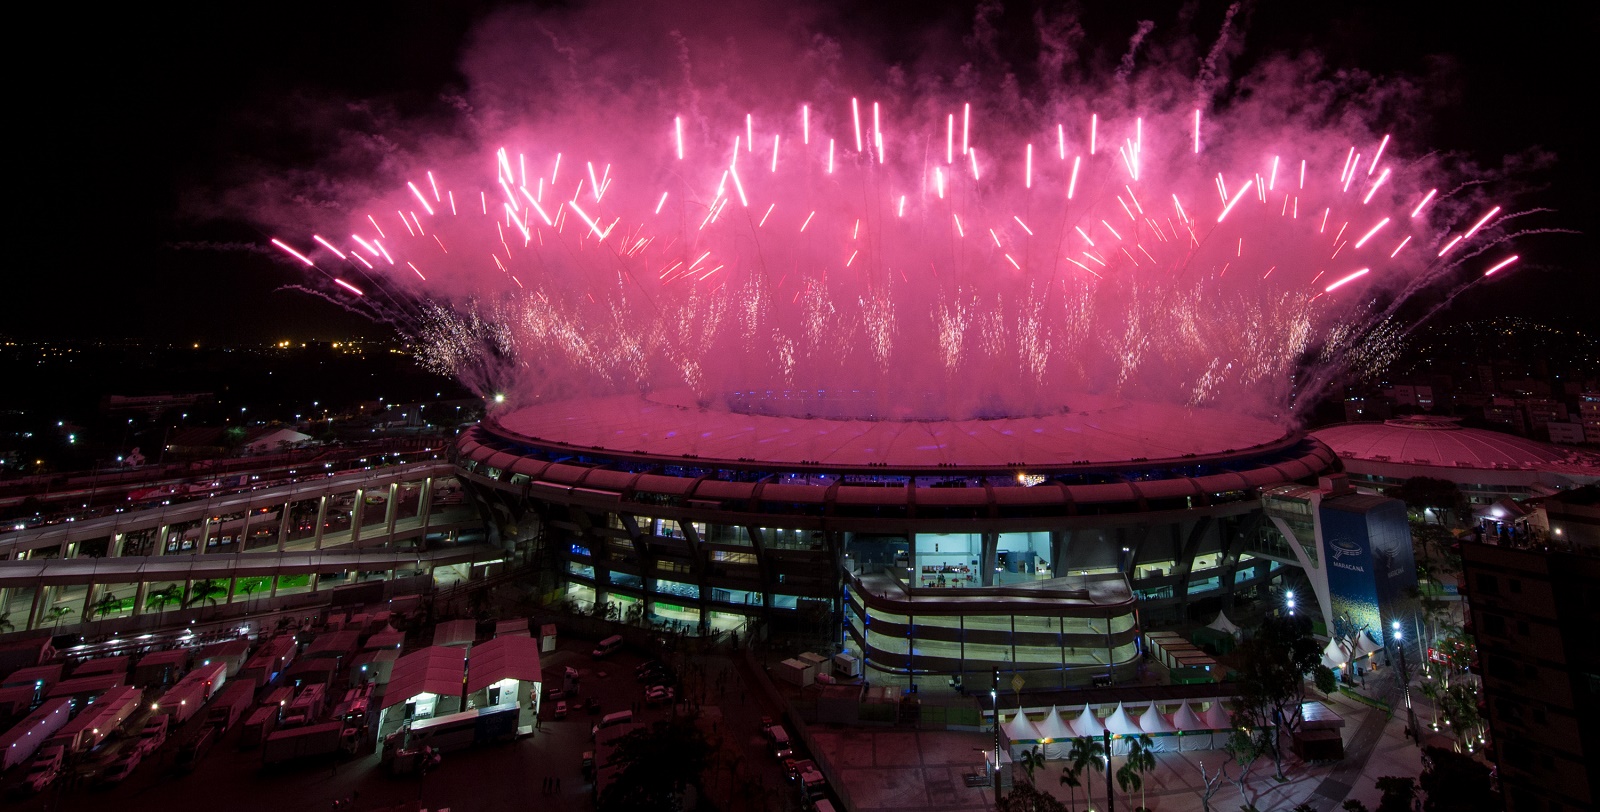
(852, 243)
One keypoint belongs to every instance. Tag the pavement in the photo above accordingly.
(903, 770)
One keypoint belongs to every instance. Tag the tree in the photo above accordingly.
(57, 613)
(1325, 679)
(1087, 754)
(1141, 759)
(1028, 798)
(1455, 782)
(1272, 667)
(1209, 783)
(158, 600)
(1420, 493)
(107, 605)
(1398, 793)
(656, 765)
(1247, 747)
(1032, 760)
(5, 622)
(1070, 780)
(204, 591)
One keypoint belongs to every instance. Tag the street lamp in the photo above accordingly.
(1405, 682)
(994, 701)
(1289, 601)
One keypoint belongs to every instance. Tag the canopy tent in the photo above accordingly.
(434, 670)
(1056, 733)
(1223, 624)
(1159, 730)
(1021, 735)
(1364, 644)
(1087, 724)
(1121, 725)
(1216, 717)
(507, 657)
(1195, 733)
(1335, 654)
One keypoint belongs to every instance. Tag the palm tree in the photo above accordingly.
(59, 612)
(1032, 760)
(1141, 759)
(157, 600)
(1087, 754)
(106, 605)
(207, 591)
(5, 623)
(1069, 779)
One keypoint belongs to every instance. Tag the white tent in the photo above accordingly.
(1335, 654)
(1196, 731)
(1151, 721)
(1121, 725)
(1087, 724)
(1223, 624)
(1021, 733)
(1159, 729)
(1216, 717)
(1056, 733)
(1364, 644)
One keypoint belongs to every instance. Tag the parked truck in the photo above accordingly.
(99, 720)
(257, 725)
(231, 704)
(186, 698)
(301, 743)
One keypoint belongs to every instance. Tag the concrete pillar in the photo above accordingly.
(88, 601)
(425, 503)
(987, 558)
(391, 509)
(138, 598)
(322, 520)
(283, 525)
(161, 539)
(38, 600)
(244, 532)
(115, 549)
(356, 516)
(205, 536)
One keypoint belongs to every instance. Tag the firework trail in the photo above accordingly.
(927, 238)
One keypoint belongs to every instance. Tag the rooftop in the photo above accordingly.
(1096, 429)
(1443, 442)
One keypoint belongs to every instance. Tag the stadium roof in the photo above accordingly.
(1443, 443)
(1097, 429)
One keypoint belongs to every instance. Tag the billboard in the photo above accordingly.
(1366, 544)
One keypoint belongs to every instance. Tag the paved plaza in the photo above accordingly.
(888, 769)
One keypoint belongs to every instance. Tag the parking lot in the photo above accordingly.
(490, 777)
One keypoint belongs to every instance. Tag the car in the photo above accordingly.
(648, 665)
(658, 694)
(561, 709)
(122, 767)
(554, 694)
(41, 776)
(796, 767)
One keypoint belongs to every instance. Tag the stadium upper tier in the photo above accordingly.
(1103, 452)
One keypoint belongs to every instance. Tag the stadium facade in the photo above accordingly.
(1038, 543)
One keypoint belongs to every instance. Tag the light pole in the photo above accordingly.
(1405, 683)
(994, 701)
(1289, 601)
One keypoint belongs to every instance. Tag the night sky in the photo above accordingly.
(133, 120)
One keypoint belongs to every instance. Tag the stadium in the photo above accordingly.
(936, 546)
